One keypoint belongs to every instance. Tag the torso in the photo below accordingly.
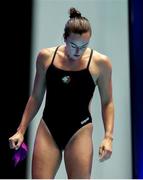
(62, 62)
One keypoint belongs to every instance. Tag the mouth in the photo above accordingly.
(76, 55)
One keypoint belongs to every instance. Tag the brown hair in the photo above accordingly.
(76, 24)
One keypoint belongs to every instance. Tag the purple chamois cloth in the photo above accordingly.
(20, 154)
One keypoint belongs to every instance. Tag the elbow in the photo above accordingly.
(107, 103)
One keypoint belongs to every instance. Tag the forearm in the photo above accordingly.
(108, 119)
(30, 111)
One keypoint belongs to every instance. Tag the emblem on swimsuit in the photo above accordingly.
(66, 79)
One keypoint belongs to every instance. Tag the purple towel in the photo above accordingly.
(20, 154)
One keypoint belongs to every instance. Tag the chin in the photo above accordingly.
(76, 58)
(73, 58)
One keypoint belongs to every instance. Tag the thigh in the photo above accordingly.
(78, 154)
(46, 155)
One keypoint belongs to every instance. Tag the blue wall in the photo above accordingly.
(136, 67)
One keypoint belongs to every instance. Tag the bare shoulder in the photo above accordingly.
(102, 61)
(44, 57)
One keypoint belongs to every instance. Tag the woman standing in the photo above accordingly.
(69, 74)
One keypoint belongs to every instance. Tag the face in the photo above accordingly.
(76, 44)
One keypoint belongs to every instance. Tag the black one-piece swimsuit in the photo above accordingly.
(67, 101)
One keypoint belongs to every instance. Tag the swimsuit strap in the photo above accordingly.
(54, 55)
(90, 58)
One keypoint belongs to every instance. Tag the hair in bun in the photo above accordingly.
(76, 24)
(74, 13)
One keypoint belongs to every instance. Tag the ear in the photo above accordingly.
(65, 40)
(64, 37)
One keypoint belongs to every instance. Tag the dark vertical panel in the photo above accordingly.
(15, 72)
(136, 67)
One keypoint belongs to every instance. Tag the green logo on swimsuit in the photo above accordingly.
(66, 79)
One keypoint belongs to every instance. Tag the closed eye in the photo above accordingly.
(73, 46)
(83, 47)
(79, 48)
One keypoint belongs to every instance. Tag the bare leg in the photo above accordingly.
(78, 154)
(46, 155)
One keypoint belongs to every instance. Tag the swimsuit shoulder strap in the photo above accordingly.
(90, 58)
(54, 55)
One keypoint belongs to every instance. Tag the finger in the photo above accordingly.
(11, 144)
(18, 145)
(101, 150)
(14, 142)
(101, 153)
(106, 155)
(16, 148)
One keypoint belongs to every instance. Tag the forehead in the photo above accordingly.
(79, 39)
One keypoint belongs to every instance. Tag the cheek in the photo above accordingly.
(71, 51)
(81, 51)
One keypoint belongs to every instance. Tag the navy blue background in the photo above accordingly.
(136, 75)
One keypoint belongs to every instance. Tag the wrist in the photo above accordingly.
(21, 130)
(109, 136)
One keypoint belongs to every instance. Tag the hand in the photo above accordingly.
(105, 149)
(16, 140)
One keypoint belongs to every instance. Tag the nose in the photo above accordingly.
(77, 50)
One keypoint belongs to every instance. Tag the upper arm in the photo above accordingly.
(104, 81)
(40, 76)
